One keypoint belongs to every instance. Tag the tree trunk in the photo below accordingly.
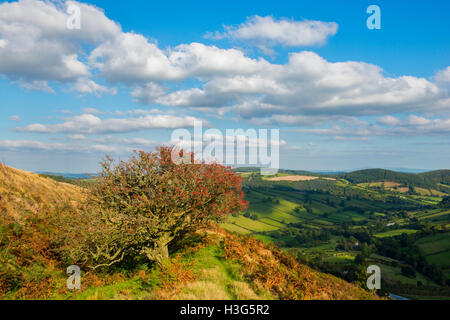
(160, 250)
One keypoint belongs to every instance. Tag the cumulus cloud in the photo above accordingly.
(308, 85)
(88, 86)
(408, 126)
(131, 58)
(267, 31)
(388, 121)
(90, 124)
(37, 46)
(37, 49)
(443, 75)
(148, 93)
(81, 144)
(43, 146)
(442, 79)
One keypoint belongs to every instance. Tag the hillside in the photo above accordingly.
(211, 264)
(375, 175)
(437, 176)
(338, 226)
(24, 193)
(429, 179)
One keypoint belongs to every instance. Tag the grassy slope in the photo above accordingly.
(24, 192)
(437, 250)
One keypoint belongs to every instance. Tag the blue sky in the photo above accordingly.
(343, 96)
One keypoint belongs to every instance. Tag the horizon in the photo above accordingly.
(120, 77)
(400, 170)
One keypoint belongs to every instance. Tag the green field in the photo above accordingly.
(322, 221)
(394, 233)
(436, 249)
(249, 224)
(391, 273)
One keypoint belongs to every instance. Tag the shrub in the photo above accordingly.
(141, 206)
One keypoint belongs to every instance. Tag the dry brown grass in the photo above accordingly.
(30, 206)
(282, 275)
(24, 193)
(391, 184)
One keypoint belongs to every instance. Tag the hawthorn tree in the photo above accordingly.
(149, 201)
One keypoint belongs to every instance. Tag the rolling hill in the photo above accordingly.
(437, 176)
(377, 175)
(428, 179)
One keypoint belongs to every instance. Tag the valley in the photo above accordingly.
(342, 223)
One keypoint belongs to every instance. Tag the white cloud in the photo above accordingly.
(38, 145)
(310, 85)
(409, 126)
(86, 85)
(90, 124)
(131, 58)
(13, 144)
(37, 50)
(38, 46)
(267, 31)
(230, 140)
(419, 121)
(36, 85)
(148, 93)
(443, 75)
(81, 144)
(130, 143)
(77, 137)
(91, 111)
(388, 121)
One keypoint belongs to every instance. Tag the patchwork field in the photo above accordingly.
(393, 274)
(293, 178)
(325, 221)
(436, 249)
(297, 178)
(394, 233)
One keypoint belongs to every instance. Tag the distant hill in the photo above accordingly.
(288, 171)
(375, 175)
(407, 170)
(428, 179)
(68, 175)
(437, 176)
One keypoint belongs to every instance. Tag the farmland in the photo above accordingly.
(340, 223)
(436, 249)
